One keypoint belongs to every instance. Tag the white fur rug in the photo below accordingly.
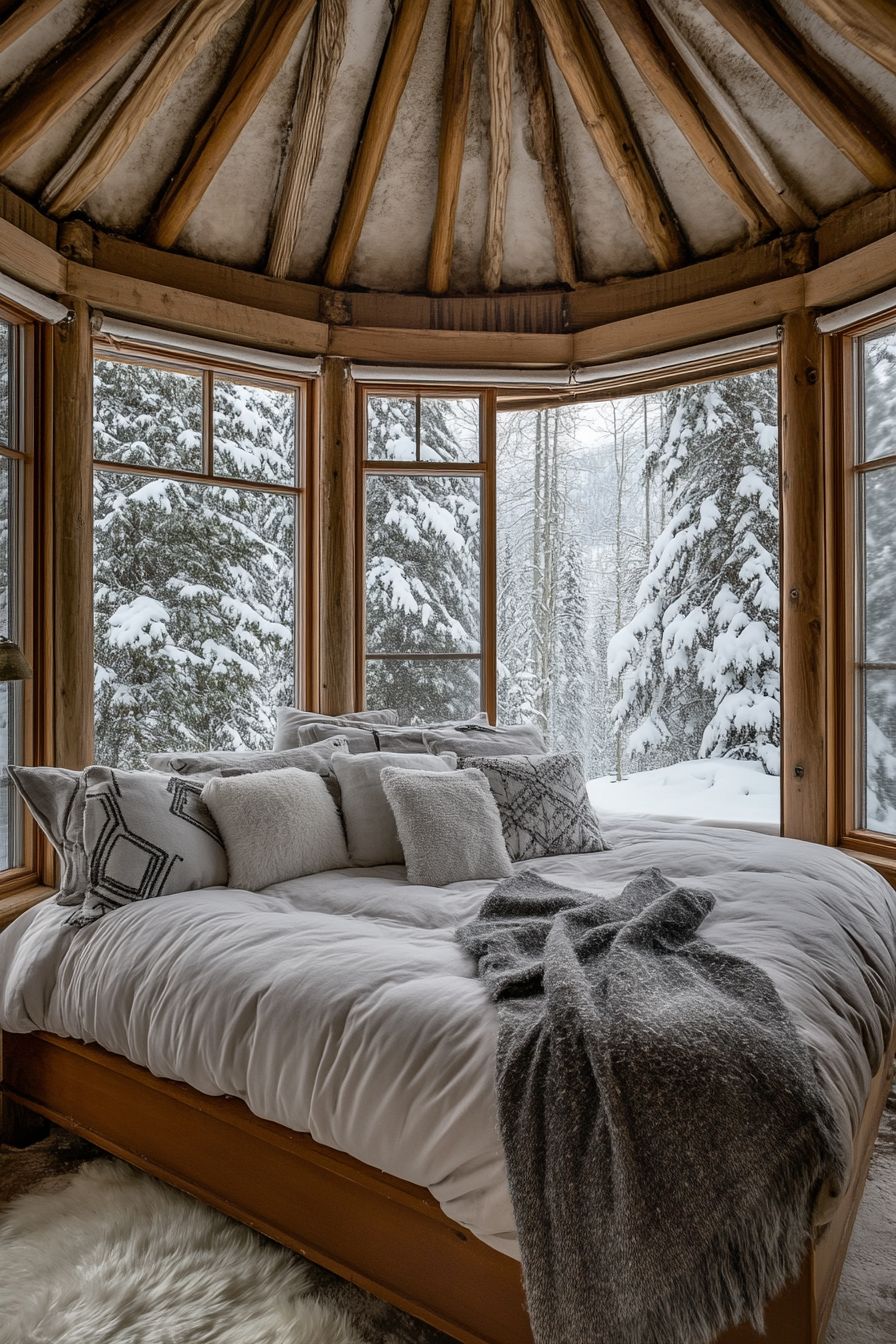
(115, 1257)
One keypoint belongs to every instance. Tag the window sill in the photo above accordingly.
(881, 863)
(13, 906)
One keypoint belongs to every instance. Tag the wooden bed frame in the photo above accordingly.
(385, 1234)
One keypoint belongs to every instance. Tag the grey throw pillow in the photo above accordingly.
(517, 739)
(289, 720)
(410, 738)
(201, 762)
(543, 802)
(145, 835)
(56, 799)
(448, 825)
(369, 824)
(318, 735)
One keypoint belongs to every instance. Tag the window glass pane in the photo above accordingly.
(10, 692)
(194, 616)
(637, 595)
(879, 370)
(423, 564)
(880, 751)
(392, 429)
(255, 432)
(147, 417)
(5, 341)
(880, 565)
(428, 689)
(449, 429)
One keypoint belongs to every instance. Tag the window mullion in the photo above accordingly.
(208, 428)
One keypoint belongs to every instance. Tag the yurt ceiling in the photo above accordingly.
(448, 146)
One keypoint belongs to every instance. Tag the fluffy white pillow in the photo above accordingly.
(369, 823)
(448, 824)
(276, 825)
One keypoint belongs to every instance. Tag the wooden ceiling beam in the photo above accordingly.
(24, 17)
(274, 29)
(323, 57)
(637, 28)
(869, 24)
(398, 57)
(576, 47)
(816, 85)
(497, 32)
(546, 142)
(452, 138)
(190, 28)
(59, 85)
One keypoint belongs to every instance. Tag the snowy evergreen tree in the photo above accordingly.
(699, 660)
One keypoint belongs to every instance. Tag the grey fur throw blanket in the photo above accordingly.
(664, 1131)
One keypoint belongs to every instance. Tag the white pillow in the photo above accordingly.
(448, 824)
(275, 826)
(369, 823)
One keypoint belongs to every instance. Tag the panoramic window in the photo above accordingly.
(11, 580)
(637, 593)
(875, 623)
(423, 484)
(196, 494)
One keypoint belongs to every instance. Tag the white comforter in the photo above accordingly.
(341, 1005)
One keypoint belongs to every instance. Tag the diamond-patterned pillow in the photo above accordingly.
(543, 802)
(145, 835)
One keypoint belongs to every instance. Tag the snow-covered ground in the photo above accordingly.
(715, 790)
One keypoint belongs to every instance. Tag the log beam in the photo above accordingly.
(274, 29)
(59, 85)
(497, 30)
(452, 137)
(401, 48)
(187, 32)
(804, 762)
(637, 28)
(576, 47)
(323, 57)
(22, 18)
(546, 142)
(72, 511)
(337, 538)
(816, 85)
(869, 24)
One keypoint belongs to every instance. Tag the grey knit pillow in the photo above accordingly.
(56, 799)
(543, 802)
(448, 825)
(482, 739)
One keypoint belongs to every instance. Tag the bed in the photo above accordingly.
(317, 1059)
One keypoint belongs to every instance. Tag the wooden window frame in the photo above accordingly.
(300, 490)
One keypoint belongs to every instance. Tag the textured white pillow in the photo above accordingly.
(369, 823)
(448, 824)
(276, 825)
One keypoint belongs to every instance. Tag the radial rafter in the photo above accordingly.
(497, 29)
(452, 137)
(189, 29)
(59, 85)
(577, 49)
(546, 143)
(636, 26)
(401, 47)
(274, 29)
(814, 83)
(24, 17)
(869, 24)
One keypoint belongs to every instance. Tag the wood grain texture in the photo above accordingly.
(190, 29)
(452, 137)
(641, 35)
(497, 32)
(576, 48)
(337, 539)
(59, 85)
(25, 16)
(30, 261)
(804, 757)
(869, 24)
(817, 87)
(398, 57)
(73, 540)
(320, 65)
(274, 29)
(547, 143)
(856, 225)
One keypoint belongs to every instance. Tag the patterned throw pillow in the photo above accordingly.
(56, 800)
(543, 802)
(146, 835)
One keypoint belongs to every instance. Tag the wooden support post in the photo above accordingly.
(497, 28)
(804, 755)
(337, 538)
(73, 539)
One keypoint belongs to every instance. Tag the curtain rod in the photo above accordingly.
(856, 312)
(184, 344)
(33, 302)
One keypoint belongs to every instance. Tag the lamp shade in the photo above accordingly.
(14, 666)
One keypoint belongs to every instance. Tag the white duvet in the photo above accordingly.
(340, 1004)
